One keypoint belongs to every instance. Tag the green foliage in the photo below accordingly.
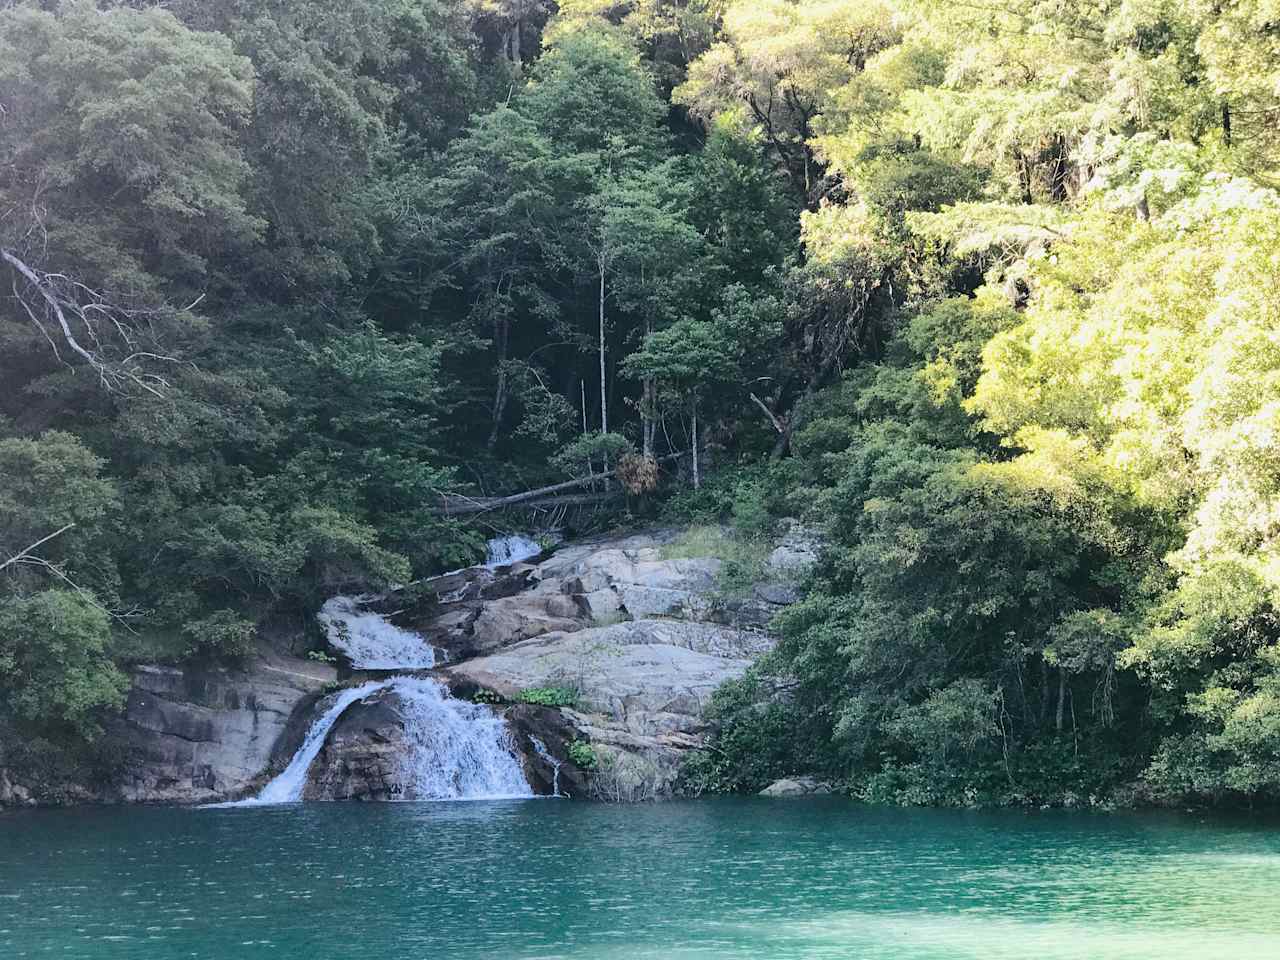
(987, 295)
(590, 452)
(222, 634)
(548, 696)
(53, 660)
(581, 754)
(742, 555)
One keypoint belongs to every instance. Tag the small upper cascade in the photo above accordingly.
(457, 750)
(369, 640)
(510, 549)
(288, 786)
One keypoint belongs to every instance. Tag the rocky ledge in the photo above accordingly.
(643, 639)
(193, 734)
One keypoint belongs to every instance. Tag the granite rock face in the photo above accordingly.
(651, 642)
(643, 639)
(191, 734)
(197, 735)
(359, 759)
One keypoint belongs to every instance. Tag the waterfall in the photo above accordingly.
(369, 640)
(541, 750)
(288, 786)
(456, 750)
(510, 549)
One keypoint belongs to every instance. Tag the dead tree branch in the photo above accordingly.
(65, 310)
(24, 555)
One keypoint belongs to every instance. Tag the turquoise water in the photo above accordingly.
(747, 878)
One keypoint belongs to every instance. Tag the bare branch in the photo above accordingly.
(24, 555)
(70, 307)
(773, 417)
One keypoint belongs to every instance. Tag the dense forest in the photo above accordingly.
(988, 292)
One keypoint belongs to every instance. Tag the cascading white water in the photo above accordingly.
(369, 640)
(456, 750)
(510, 549)
(541, 749)
(288, 786)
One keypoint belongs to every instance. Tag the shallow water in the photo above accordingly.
(744, 878)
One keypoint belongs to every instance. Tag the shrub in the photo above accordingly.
(581, 754)
(221, 634)
(548, 696)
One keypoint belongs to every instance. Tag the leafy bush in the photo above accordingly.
(548, 696)
(581, 754)
(54, 667)
(742, 558)
(221, 634)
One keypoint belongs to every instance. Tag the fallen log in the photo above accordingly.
(483, 505)
(455, 504)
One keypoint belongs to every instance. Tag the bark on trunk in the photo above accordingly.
(501, 336)
(1062, 696)
(648, 402)
(697, 474)
(604, 402)
(453, 504)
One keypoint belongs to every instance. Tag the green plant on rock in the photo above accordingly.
(548, 696)
(581, 754)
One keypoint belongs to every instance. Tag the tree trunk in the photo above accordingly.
(648, 413)
(697, 475)
(604, 402)
(1062, 696)
(1044, 690)
(452, 504)
(516, 44)
(501, 335)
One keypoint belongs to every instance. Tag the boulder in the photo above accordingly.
(796, 552)
(643, 687)
(796, 787)
(359, 760)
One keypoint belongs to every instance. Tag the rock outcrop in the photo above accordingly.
(651, 642)
(642, 637)
(359, 759)
(796, 787)
(189, 735)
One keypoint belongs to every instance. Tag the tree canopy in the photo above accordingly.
(985, 292)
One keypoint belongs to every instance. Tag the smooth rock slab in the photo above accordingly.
(796, 787)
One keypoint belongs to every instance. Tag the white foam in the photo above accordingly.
(369, 641)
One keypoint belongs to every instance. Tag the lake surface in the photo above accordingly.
(723, 878)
